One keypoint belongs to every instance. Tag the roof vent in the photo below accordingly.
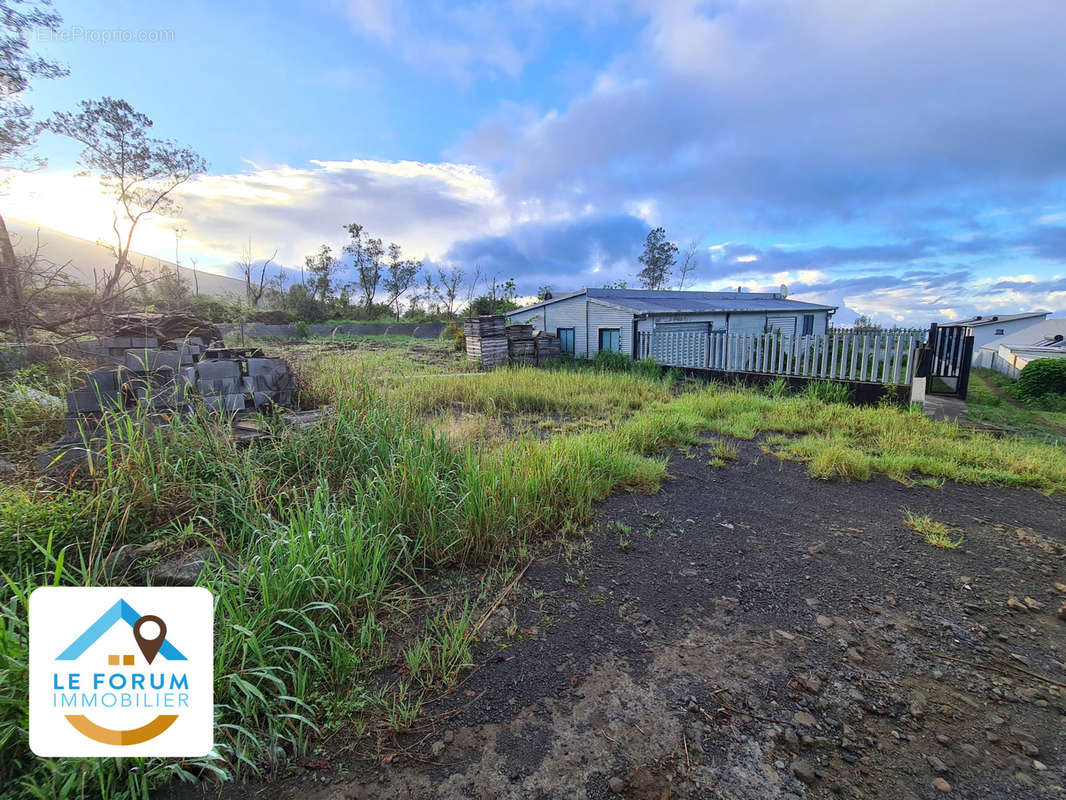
(1058, 337)
(995, 318)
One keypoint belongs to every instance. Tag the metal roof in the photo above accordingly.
(977, 322)
(652, 301)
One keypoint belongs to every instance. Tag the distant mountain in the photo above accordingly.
(88, 258)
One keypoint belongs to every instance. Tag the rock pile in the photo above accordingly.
(156, 383)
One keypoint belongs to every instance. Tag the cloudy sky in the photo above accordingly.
(904, 159)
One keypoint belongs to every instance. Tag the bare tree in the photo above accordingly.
(689, 262)
(195, 276)
(430, 293)
(141, 171)
(18, 128)
(401, 274)
(448, 287)
(475, 279)
(254, 285)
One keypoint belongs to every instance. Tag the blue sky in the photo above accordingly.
(905, 160)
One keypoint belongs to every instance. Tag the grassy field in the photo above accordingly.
(1017, 418)
(379, 536)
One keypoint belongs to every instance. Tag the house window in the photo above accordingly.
(999, 331)
(808, 324)
(566, 339)
(610, 339)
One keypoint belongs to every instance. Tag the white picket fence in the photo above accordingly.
(880, 357)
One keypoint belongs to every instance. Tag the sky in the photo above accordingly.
(904, 159)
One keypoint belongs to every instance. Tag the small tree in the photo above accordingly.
(401, 274)
(450, 280)
(658, 257)
(688, 262)
(430, 293)
(366, 258)
(141, 171)
(543, 292)
(321, 267)
(254, 284)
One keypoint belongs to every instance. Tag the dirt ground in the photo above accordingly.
(751, 633)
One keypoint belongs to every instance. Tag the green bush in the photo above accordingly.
(1042, 377)
(302, 329)
(455, 333)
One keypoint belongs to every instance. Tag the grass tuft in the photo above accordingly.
(936, 534)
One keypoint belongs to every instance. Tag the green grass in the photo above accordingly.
(937, 534)
(326, 536)
(985, 406)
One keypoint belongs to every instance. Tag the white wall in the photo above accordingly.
(983, 334)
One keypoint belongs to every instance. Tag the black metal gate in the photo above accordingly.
(950, 354)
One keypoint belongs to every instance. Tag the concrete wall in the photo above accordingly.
(259, 330)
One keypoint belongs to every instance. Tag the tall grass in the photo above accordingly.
(315, 533)
(318, 534)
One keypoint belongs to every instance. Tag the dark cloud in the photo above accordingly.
(572, 254)
(771, 115)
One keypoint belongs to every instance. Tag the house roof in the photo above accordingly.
(651, 301)
(997, 319)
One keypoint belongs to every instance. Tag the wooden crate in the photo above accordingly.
(485, 326)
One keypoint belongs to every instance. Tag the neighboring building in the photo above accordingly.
(1009, 354)
(624, 319)
(986, 328)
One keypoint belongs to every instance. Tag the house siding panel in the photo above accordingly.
(602, 316)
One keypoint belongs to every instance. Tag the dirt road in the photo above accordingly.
(751, 633)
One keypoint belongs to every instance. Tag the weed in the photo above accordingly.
(828, 392)
(936, 534)
(723, 451)
(625, 535)
(778, 387)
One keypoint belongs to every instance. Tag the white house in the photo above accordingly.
(1009, 354)
(984, 329)
(591, 320)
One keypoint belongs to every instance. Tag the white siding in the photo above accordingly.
(603, 316)
(785, 324)
(716, 320)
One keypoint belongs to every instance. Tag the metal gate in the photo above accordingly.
(950, 355)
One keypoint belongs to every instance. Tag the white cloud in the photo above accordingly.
(424, 207)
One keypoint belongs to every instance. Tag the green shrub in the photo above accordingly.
(303, 330)
(456, 335)
(1042, 377)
